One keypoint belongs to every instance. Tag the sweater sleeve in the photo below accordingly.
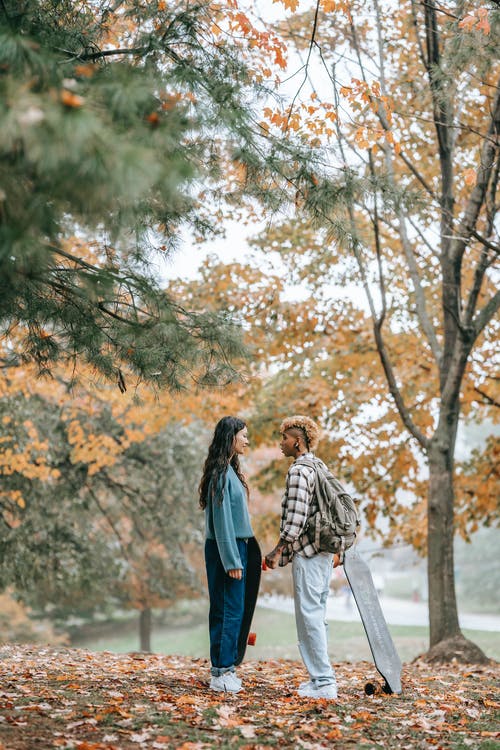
(224, 531)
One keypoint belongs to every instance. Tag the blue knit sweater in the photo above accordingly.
(228, 521)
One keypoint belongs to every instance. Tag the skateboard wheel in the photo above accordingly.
(252, 637)
(373, 688)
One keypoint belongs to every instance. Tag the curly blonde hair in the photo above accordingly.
(309, 429)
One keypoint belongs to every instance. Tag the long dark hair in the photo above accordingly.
(219, 459)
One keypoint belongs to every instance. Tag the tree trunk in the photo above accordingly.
(442, 600)
(145, 629)
(446, 639)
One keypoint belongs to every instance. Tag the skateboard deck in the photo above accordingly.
(252, 582)
(381, 644)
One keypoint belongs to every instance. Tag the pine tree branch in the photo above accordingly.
(6, 14)
(92, 56)
(75, 259)
(114, 315)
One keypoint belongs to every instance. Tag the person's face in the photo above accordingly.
(288, 443)
(240, 442)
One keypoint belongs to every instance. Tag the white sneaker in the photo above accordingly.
(236, 680)
(309, 690)
(226, 683)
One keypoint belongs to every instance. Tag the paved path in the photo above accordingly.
(396, 611)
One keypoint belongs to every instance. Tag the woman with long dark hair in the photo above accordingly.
(224, 497)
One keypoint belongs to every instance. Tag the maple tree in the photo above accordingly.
(406, 206)
(148, 499)
(96, 514)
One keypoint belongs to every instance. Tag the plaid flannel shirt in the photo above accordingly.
(299, 502)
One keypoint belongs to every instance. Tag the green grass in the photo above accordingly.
(276, 639)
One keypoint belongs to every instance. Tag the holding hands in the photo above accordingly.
(272, 558)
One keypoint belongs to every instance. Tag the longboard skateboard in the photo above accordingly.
(381, 644)
(252, 582)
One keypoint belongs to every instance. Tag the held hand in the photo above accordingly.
(235, 573)
(271, 562)
(272, 558)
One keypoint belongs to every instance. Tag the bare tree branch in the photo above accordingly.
(486, 314)
(420, 301)
(306, 65)
(489, 156)
(487, 398)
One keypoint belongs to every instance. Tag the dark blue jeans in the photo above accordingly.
(227, 604)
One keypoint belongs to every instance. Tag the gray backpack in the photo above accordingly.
(333, 527)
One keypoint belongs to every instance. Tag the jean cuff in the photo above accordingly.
(218, 671)
(322, 681)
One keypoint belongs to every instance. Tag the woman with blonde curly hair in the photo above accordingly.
(311, 569)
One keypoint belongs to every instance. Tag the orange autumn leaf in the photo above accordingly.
(69, 99)
(153, 118)
(477, 20)
(288, 4)
(470, 176)
(85, 71)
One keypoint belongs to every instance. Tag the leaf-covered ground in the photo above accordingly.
(79, 700)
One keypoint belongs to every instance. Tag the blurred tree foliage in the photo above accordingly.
(478, 571)
(118, 121)
(17, 626)
(126, 535)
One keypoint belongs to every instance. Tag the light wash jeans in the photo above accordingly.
(311, 584)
